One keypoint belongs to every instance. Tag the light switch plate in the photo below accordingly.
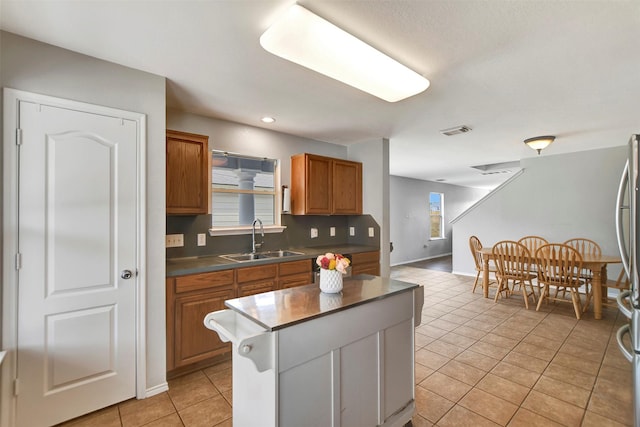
(371, 232)
(332, 231)
(314, 233)
(202, 239)
(352, 231)
(174, 240)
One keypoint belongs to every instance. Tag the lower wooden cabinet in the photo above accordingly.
(295, 273)
(193, 342)
(255, 280)
(366, 263)
(190, 298)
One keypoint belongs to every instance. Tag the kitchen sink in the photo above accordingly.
(280, 254)
(259, 255)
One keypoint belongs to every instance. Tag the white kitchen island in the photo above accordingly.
(305, 358)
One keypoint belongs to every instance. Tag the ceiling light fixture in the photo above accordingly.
(539, 143)
(304, 38)
(267, 119)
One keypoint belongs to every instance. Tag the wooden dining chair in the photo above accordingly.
(532, 243)
(586, 247)
(475, 245)
(513, 265)
(559, 265)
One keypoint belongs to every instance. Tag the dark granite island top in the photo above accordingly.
(283, 308)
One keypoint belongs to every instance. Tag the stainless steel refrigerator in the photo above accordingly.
(628, 230)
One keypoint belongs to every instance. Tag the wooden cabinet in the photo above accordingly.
(295, 273)
(366, 263)
(324, 186)
(255, 280)
(188, 173)
(347, 188)
(189, 299)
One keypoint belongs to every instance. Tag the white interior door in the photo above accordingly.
(77, 233)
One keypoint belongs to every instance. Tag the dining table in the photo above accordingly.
(596, 263)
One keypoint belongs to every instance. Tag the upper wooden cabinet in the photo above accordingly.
(324, 186)
(347, 188)
(188, 173)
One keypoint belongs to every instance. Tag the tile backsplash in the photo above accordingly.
(297, 234)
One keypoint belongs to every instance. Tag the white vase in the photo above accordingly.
(330, 281)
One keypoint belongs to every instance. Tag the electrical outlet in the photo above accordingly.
(202, 239)
(371, 232)
(332, 231)
(174, 240)
(352, 231)
(314, 233)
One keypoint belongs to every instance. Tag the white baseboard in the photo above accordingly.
(463, 273)
(160, 388)
(420, 259)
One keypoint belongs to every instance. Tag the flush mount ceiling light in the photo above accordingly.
(304, 38)
(267, 119)
(539, 143)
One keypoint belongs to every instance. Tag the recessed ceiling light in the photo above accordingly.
(304, 38)
(267, 119)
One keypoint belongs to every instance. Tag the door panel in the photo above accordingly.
(78, 219)
(77, 232)
(69, 364)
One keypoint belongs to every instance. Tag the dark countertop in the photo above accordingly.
(204, 264)
(287, 307)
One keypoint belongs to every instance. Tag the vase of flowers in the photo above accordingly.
(332, 267)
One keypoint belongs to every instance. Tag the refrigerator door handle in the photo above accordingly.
(624, 181)
(624, 329)
(621, 305)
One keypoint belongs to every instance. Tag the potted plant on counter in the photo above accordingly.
(332, 268)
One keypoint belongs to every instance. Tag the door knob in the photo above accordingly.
(126, 274)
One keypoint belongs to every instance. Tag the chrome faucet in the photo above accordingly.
(255, 245)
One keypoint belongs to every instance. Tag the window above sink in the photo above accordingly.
(244, 188)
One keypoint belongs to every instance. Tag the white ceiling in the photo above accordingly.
(510, 70)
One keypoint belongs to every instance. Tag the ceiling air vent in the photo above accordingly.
(456, 130)
(495, 168)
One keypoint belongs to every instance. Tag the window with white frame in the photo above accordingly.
(243, 189)
(436, 215)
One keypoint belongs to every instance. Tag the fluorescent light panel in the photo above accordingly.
(304, 38)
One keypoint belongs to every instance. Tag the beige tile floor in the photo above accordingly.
(478, 363)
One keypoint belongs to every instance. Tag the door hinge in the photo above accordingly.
(18, 261)
(18, 136)
(16, 387)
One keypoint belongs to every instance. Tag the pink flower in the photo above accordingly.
(330, 261)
